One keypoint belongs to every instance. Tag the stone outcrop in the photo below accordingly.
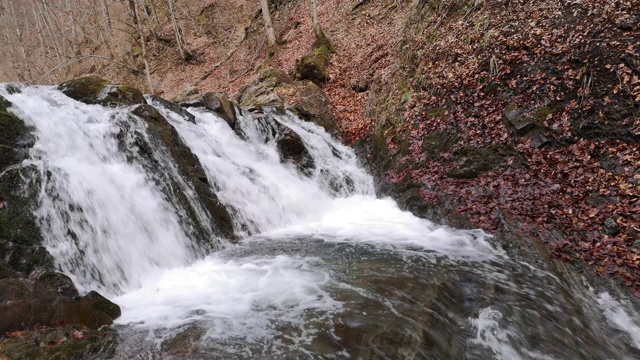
(49, 300)
(92, 89)
(274, 87)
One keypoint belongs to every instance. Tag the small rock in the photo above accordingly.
(517, 120)
(611, 227)
(3, 203)
(539, 141)
(187, 94)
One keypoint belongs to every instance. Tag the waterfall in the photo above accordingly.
(321, 261)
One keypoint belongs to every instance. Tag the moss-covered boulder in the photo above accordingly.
(188, 165)
(313, 65)
(92, 89)
(262, 90)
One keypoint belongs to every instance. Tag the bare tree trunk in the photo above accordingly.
(177, 30)
(136, 16)
(271, 35)
(317, 30)
(107, 16)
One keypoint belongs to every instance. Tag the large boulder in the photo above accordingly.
(274, 87)
(217, 103)
(313, 65)
(220, 104)
(50, 301)
(92, 89)
(292, 149)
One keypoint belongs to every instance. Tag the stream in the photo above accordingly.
(324, 269)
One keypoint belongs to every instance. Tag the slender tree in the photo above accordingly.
(271, 35)
(317, 30)
(139, 29)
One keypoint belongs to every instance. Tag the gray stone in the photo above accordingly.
(517, 121)
(187, 94)
(540, 140)
(611, 227)
(220, 104)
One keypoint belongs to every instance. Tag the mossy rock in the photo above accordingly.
(99, 303)
(262, 90)
(274, 75)
(92, 89)
(471, 162)
(313, 66)
(20, 238)
(15, 137)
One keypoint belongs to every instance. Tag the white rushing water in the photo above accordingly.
(112, 223)
(109, 225)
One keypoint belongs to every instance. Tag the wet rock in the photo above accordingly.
(188, 165)
(472, 162)
(517, 120)
(187, 94)
(26, 303)
(13, 89)
(611, 227)
(60, 283)
(20, 238)
(92, 89)
(173, 107)
(115, 95)
(185, 343)
(99, 303)
(291, 148)
(221, 106)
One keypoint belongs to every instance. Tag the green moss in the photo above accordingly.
(85, 89)
(541, 114)
(436, 113)
(406, 96)
(436, 143)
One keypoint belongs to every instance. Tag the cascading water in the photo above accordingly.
(324, 268)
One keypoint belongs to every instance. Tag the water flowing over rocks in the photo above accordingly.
(261, 237)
